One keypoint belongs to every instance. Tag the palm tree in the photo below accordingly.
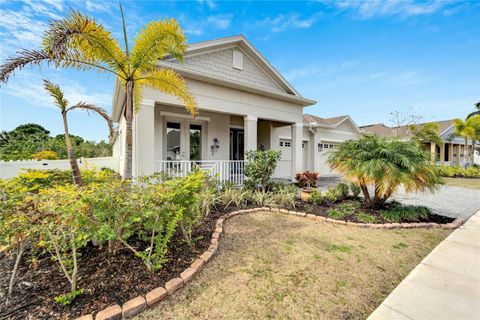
(384, 164)
(62, 104)
(469, 130)
(79, 42)
(475, 113)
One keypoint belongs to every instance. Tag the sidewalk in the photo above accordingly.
(445, 285)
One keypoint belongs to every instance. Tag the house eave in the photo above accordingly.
(218, 80)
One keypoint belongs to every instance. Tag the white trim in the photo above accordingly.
(289, 138)
(147, 103)
(250, 118)
(235, 126)
(319, 130)
(183, 116)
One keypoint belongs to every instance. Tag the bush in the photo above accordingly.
(332, 195)
(261, 198)
(343, 209)
(234, 196)
(410, 213)
(260, 167)
(284, 196)
(355, 189)
(452, 172)
(342, 190)
(366, 218)
(316, 198)
(307, 179)
(45, 155)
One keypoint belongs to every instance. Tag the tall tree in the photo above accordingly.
(469, 129)
(62, 104)
(427, 133)
(79, 42)
(475, 113)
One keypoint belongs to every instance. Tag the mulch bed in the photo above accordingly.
(109, 280)
(106, 279)
(323, 209)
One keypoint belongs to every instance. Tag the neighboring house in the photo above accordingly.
(453, 151)
(244, 104)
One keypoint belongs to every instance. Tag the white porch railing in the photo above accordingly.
(223, 170)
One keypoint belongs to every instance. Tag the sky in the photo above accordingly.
(362, 58)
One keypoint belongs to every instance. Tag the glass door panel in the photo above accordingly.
(195, 142)
(173, 141)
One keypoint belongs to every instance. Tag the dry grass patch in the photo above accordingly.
(283, 267)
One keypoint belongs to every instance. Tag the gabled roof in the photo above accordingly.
(334, 122)
(382, 130)
(251, 51)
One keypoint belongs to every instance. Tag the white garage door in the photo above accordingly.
(327, 147)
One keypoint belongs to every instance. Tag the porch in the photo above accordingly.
(450, 154)
(177, 144)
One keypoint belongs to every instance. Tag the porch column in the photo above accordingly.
(442, 154)
(143, 139)
(250, 132)
(433, 152)
(450, 154)
(296, 146)
(457, 156)
(315, 152)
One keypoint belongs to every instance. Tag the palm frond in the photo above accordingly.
(169, 82)
(37, 57)
(56, 93)
(102, 112)
(80, 35)
(156, 40)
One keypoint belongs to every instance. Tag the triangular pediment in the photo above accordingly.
(234, 59)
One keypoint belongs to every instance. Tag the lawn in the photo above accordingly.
(463, 182)
(271, 265)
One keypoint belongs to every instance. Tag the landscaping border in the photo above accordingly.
(140, 303)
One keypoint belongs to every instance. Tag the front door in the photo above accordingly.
(236, 144)
(183, 139)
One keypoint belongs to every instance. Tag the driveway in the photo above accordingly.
(448, 201)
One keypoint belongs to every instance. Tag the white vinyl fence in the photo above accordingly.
(9, 169)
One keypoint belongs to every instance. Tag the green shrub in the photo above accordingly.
(410, 213)
(342, 189)
(261, 198)
(343, 209)
(260, 167)
(452, 172)
(332, 195)
(355, 189)
(366, 218)
(234, 196)
(284, 196)
(316, 198)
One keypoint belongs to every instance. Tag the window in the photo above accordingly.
(325, 146)
(287, 144)
(303, 145)
(281, 143)
(332, 146)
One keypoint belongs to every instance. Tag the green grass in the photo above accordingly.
(463, 183)
(272, 266)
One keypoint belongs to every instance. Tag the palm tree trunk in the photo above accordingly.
(128, 113)
(77, 178)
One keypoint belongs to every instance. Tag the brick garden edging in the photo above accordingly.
(140, 303)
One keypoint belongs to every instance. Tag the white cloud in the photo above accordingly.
(96, 6)
(210, 3)
(282, 22)
(198, 27)
(403, 8)
(29, 87)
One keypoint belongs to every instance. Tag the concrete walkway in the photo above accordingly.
(445, 285)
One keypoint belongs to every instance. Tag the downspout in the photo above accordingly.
(315, 147)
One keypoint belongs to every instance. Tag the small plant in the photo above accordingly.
(284, 196)
(366, 218)
(336, 213)
(261, 198)
(234, 196)
(332, 195)
(66, 299)
(399, 213)
(343, 209)
(355, 189)
(309, 208)
(316, 198)
(307, 179)
(342, 189)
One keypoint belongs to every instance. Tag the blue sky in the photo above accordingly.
(363, 58)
